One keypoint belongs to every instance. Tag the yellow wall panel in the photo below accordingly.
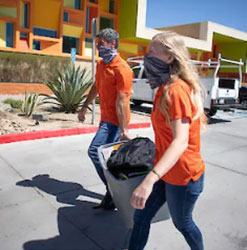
(127, 47)
(8, 11)
(2, 34)
(69, 30)
(105, 5)
(46, 14)
(69, 3)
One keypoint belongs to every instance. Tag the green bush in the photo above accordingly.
(28, 68)
(15, 104)
(69, 88)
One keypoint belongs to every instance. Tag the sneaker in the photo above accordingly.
(107, 203)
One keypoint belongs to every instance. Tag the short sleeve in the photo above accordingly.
(124, 78)
(180, 105)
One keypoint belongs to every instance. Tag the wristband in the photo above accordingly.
(156, 173)
(85, 106)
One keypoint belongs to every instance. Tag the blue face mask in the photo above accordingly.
(106, 53)
(157, 71)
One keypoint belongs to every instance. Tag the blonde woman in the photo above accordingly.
(177, 115)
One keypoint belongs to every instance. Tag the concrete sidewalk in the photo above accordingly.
(48, 188)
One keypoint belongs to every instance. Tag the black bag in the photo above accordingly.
(133, 158)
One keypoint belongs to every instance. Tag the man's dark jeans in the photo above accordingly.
(107, 133)
(181, 201)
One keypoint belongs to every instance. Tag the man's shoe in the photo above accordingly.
(107, 203)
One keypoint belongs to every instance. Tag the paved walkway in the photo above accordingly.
(48, 188)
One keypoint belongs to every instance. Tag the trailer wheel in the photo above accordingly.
(137, 102)
(210, 112)
(244, 104)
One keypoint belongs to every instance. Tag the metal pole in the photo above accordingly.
(94, 33)
(240, 72)
(218, 66)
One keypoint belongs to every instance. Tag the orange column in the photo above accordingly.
(31, 24)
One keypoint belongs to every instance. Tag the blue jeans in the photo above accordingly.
(181, 201)
(107, 133)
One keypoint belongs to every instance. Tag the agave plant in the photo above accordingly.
(69, 88)
(29, 103)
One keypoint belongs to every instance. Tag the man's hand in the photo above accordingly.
(124, 135)
(82, 114)
(122, 108)
(92, 94)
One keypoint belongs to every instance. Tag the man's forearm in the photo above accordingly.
(122, 111)
(92, 94)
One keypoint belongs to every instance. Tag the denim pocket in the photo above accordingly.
(196, 187)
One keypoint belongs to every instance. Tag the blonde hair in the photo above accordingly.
(182, 68)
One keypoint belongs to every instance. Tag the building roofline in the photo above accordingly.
(207, 29)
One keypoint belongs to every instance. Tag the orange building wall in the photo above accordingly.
(48, 14)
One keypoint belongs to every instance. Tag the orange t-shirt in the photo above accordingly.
(110, 79)
(190, 165)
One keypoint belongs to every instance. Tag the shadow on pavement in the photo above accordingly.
(217, 120)
(79, 226)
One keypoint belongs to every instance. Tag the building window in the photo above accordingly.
(77, 4)
(112, 6)
(44, 32)
(36, 45)
(106, 23)
(23, 35)
(88, 40)
(10, 35)
(93, 1)
(66, 16)
(25, 15)
(69, 43)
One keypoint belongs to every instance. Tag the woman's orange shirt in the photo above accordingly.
(190, 165)
(110, 79)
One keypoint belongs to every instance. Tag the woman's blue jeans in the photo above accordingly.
(181, 201)
(107, 133)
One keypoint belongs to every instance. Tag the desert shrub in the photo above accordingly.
(69, 88)
(15, 104)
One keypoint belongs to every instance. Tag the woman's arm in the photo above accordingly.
(180, 130)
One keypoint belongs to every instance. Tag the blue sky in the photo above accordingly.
(161, 13)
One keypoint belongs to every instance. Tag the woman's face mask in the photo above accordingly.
(156, 71)
(106, 53)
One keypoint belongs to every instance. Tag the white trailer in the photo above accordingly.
(222, 93)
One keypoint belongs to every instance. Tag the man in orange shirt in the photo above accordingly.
(114, 86)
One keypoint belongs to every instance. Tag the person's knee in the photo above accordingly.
(91, 151)
(183, 225)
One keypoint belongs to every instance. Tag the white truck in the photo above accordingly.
(222, 93)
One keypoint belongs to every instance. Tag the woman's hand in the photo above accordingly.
(140, 195)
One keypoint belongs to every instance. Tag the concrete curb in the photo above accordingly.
(58, 133)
